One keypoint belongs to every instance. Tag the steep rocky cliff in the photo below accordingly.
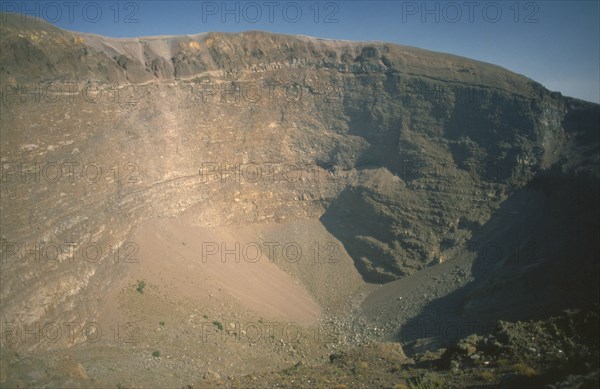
(409, 158)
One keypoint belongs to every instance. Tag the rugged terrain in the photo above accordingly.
(210, 209)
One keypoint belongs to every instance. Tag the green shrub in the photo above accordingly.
(524, 370)
(429, 381)
(140, 286)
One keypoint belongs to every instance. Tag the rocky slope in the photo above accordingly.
(468, 190)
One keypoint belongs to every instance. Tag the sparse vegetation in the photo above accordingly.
(140, 286)
(524, 370)
(218, 325)
(429, 381)
(156, 354)
(162, 323)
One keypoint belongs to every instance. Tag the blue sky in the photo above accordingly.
(554, 42)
